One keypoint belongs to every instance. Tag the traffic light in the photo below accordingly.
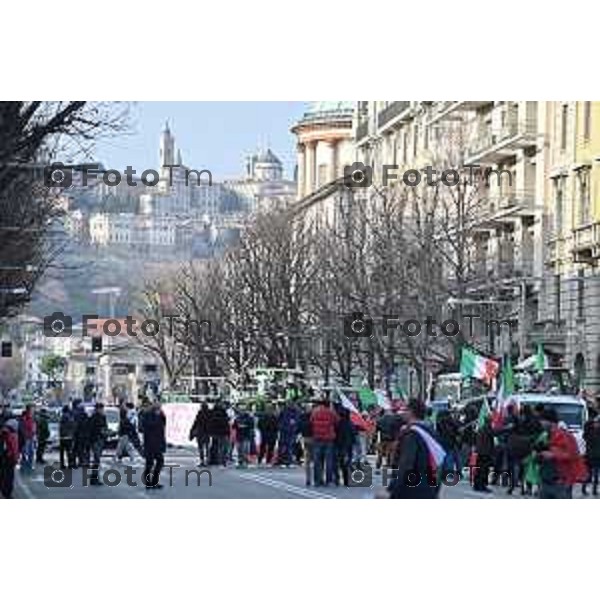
(97, 343)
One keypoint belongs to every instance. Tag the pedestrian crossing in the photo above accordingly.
(286, 487)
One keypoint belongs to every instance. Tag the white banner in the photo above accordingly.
(180, 417)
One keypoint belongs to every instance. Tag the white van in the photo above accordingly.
(571, 410)
(456, 391)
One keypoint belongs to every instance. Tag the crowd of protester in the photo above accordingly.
(82, 437)
(527, 450)
(319, 435)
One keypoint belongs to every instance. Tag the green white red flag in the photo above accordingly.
(478, 366)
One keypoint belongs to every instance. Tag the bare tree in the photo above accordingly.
(32, 134)
(272, 274)
(158, 304)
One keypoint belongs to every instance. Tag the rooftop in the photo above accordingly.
(328, 110)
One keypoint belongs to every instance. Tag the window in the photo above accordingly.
(426, 139)
(587, 121)
(557, 311)
(559, 184)
(580, 293)
(583, 180)
(563, 127)
(404, 147)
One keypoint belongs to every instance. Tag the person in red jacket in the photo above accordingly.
(561, 464)
(28, 434)
(9, 456)
(323, 421)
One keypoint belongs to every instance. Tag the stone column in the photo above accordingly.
(310, 168)
(330, 153)
(301, 158)
(333, 169)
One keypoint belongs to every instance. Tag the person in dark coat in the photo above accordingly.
(530, 427)
(413, 478)
(9, 455)
(288, 430)
(591, 435)
(388, 427)
(43, 435)
(153, 424)
(66, 431)
(218, 425)
(484, 446)
(345, 436)
(97, 429)
(244, 431)
(448, 431)
(200, 432)
(267, 426)
(81, 442)
(123, 444)
(504, 456)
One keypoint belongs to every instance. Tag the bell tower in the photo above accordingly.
(167, 147)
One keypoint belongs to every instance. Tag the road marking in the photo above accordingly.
(287, 487)
(21, 485)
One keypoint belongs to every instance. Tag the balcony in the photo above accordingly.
(586, 243)
(492, 146)
(514, 204)
(550, 333)
(494, 212)
(393, 113)
(447, 108)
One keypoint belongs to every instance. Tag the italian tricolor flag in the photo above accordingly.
(355, 415)
(478, 366)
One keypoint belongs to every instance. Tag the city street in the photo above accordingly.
(227, 483)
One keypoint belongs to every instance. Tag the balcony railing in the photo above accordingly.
(547, 332)
(443, 109)
(488, 138)
(511, 135)
(515, 202)
(586, 235)
(391, 111)
(586, 243)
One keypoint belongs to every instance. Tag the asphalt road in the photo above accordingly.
(182, 479)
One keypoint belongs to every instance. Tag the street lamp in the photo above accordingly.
(112, 292)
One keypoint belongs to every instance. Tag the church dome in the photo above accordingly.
(268, 157)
